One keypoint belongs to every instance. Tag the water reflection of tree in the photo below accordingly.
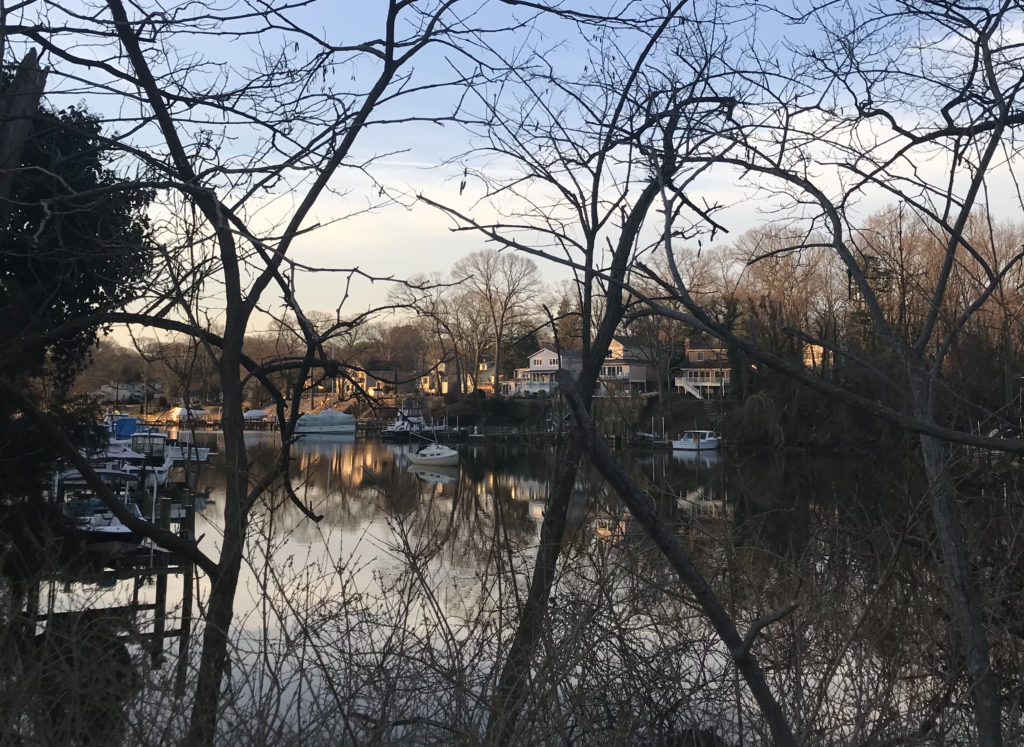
(863, 656)
(66, 677)
(397, 644)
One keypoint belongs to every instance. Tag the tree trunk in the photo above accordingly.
(213, 660)
(203, 724)
(956, 570)
(17, 107)
(644, 510)
(512, 685)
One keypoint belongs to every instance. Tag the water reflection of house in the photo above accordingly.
(534, 493)
(700, 502)
(527, 489)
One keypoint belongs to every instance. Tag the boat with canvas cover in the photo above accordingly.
(328, 422)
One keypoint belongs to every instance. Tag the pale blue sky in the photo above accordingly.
(406, 240)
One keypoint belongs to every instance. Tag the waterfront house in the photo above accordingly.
(625, 370)
(485, 376)
(817, 357)
(361, 381)
(121, 393)
(706, 371)
(444, 379)
(379, 383)
(538, 376)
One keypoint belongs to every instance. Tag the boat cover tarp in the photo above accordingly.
(125, 427)
(328, 417)
(120, 451)
(254, 414)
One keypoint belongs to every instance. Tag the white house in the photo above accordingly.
(625, 370)
(539, 376)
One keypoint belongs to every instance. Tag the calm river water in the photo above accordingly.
(378, 508)
(397, 604)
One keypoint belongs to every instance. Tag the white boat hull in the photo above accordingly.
(327, 423)
(188, 453)
(326, 430)
(710, 445)
(697, 441)
(435, 455)
(441, 461)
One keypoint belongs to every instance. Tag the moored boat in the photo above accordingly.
(328, 422)
(92, 521)
(407, 423)
(183, 451)
(95, 524)
(435, 455)
(157, 463)
(697, 441)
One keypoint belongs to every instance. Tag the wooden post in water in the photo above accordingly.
(188, 531)
(160, 604)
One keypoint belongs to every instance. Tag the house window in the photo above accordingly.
(700, 356)
(538, 361)
(552, 361)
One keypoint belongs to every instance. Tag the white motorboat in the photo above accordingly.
(328, 422)
(120, 426)
(95, 523)
(697, 441)
(92, 521)
(408, 422)
(185, 451)
(113, 455)
(70, 484)
(157, 463)
(435, 455)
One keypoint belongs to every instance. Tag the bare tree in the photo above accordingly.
(240, 154)
(858, 121)
(592, 154)
(504, 285)
(459, 324)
